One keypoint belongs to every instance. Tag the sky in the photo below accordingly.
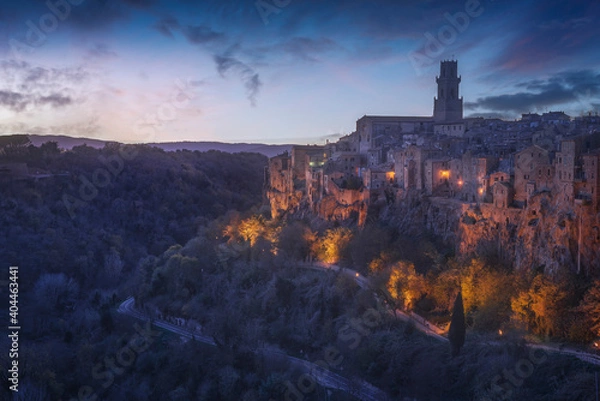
(283, 71)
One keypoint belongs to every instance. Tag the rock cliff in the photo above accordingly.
(542, 235)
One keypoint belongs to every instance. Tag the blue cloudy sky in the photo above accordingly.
(283, 70)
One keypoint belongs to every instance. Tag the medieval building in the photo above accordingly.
(474, 161)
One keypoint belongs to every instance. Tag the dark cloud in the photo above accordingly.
(167, 25)
(567, 87)
(55, 100)
(88, 17)
(201, 35)
(23, 76)
(25, 86)
(502, 116)
(211, 40)
(251, 78)
(548, 33)
(378, 20)
(306, 48)
(19, 102)
(13, 101)
(522, 101)
(195, 34)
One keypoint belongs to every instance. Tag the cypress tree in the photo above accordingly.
(456, 333)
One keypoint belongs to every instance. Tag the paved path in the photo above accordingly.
(422, 324)
(327, 378)
(324, 377)
(432, 330)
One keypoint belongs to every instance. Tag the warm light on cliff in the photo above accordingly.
(480, 191)
(445, 174)
(460, 183)
(390, 175)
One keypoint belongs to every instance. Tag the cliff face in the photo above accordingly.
(542, 235)
(329, 208)
(546, 234)
(282, 202)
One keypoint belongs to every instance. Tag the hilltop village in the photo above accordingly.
(506, 174)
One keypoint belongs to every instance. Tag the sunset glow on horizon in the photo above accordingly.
(286, 71)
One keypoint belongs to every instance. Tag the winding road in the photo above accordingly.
(432, 330)
(422, 324)
(324, 377)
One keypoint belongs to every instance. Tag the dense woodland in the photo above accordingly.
(185, 234)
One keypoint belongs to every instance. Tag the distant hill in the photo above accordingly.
(67, 142)
(267, 150)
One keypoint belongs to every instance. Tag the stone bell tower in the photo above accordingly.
(448, 106)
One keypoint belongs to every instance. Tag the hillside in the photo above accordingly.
(67, 142)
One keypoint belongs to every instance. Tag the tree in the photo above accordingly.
(590, 306)
(295, 240)
(252, 228)
(456, 333)
(405, 285)
(334, 244)
(542, 307)
(14, 145)
(113, 265)
(56, 290)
